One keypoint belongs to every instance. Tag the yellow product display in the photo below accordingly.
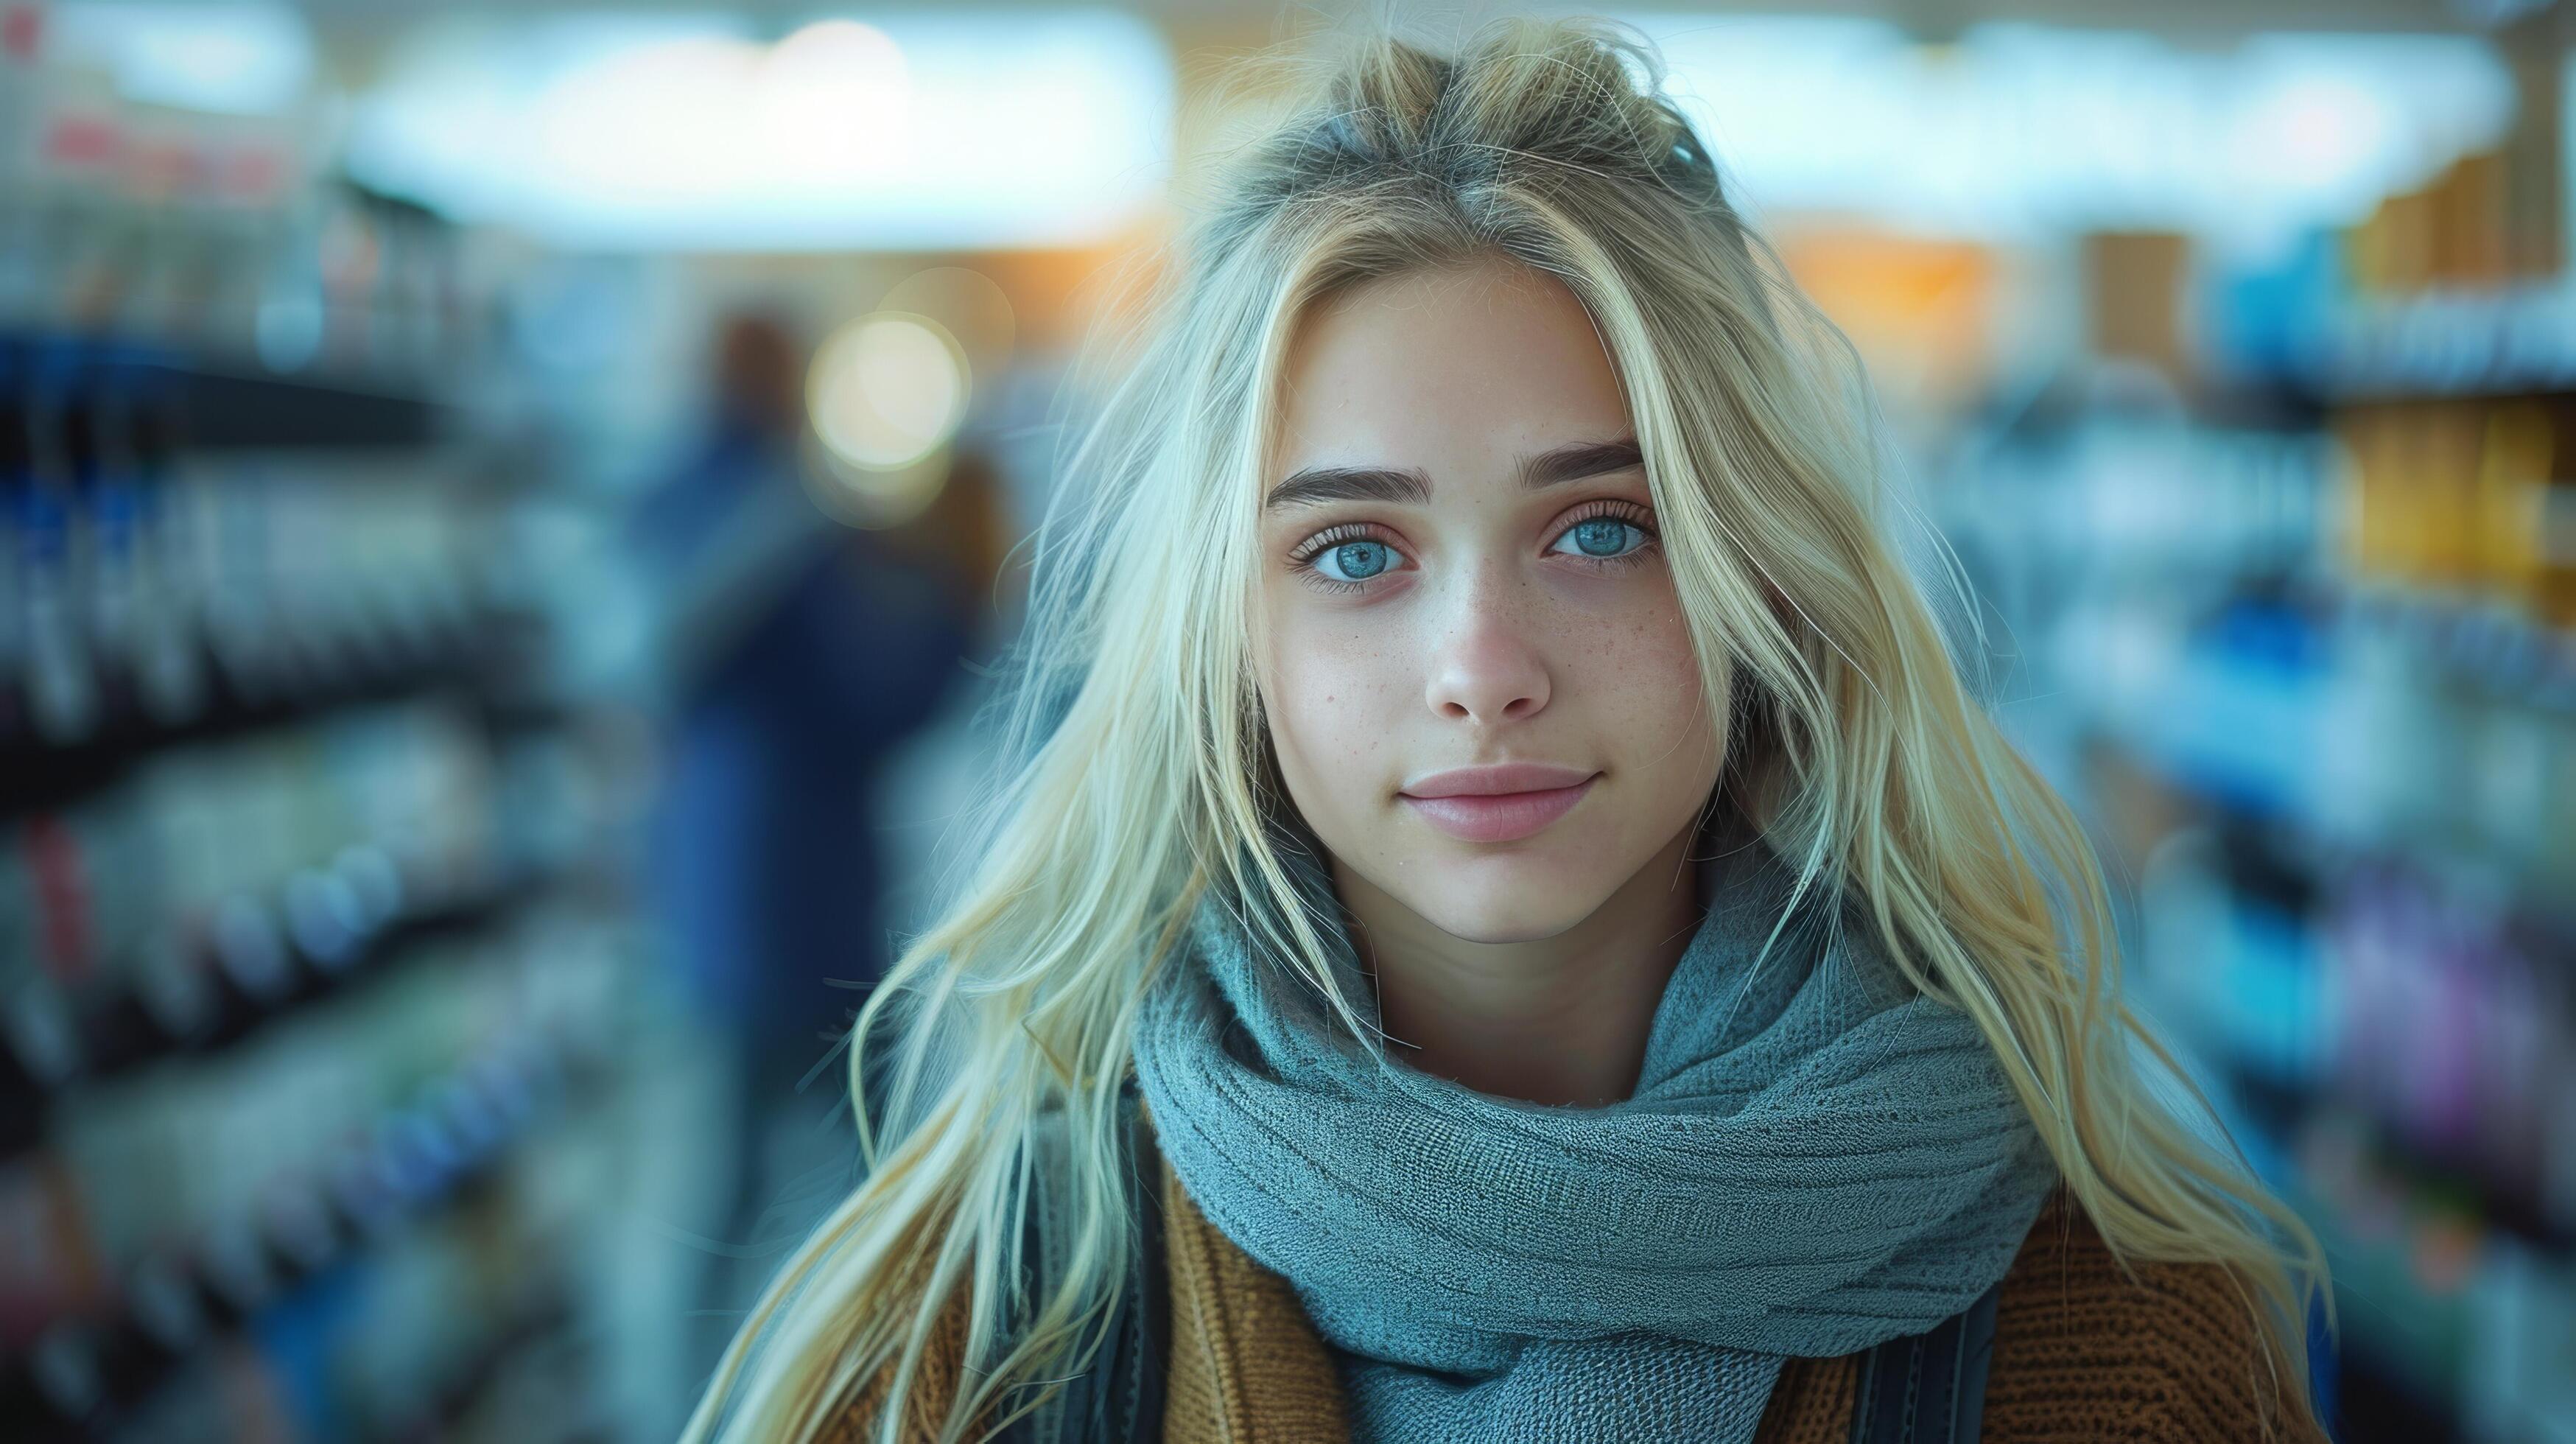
(2463, 496)
(2512, 488)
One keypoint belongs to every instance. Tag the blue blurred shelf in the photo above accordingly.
(2511, 341)
(211, 403)
(37, 774)
(83, 1374)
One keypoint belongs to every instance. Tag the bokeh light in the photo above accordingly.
(970, 305)
(886, 393)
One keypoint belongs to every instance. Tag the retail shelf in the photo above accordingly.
(2280, 1105)
(2262, 738)
(210, 403)
(2326, 849)
(264, 963)
(2509, 341)
(83, 1373)
(232, 409)
(549, 1313)
(2490, 645)
(37, 774)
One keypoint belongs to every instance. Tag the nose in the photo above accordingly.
(1485, 669)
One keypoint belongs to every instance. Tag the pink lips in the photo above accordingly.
(1497, 804)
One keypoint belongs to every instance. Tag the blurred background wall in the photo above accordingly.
(505, 510)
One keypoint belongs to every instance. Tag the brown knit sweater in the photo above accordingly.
(2082, 1351)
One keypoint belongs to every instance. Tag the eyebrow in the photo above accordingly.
(1411, 486)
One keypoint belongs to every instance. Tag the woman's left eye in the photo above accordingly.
(1602, 538)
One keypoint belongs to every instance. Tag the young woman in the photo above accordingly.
(1502, 920)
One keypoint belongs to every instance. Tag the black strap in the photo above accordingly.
(1137, 1407)
(1120, 1397)
(1928, 1388)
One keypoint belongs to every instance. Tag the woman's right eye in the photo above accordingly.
(1355, 561)
(1344, 558)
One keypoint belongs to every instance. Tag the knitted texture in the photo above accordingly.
(1815, 1158)
(1244, 1365)
(1812, 1402)
(2082, 1352)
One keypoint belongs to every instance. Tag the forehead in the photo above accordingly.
(1458, 372)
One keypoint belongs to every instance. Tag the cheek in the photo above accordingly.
(1641, 683)
(1327, 692)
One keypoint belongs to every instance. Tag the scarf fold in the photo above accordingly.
(1816, 1158)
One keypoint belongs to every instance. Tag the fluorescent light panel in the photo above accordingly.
(2022, 130)
(916, 131)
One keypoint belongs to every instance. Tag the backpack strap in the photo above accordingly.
(1118, 1399)
(1136, 1405)
(1928, 1388)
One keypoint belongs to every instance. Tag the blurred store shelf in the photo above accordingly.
(2514, 340)
(437, 660)
(204, 402)
(328, 930)
(81, 1377)
(320, 980)
(2316, 679)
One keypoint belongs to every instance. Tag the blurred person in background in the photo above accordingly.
(798, 654)
(1499, 918)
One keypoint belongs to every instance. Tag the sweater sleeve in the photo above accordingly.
(2083, 1351)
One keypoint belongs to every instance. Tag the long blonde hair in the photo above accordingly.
(1136, 778)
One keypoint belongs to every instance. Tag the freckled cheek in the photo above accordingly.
(1639, 674)
(1330, 694)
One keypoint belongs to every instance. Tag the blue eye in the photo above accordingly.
(1603, 538)
(1354, 561)
(1346, 558)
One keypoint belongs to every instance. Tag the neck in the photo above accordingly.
(1561, 1021)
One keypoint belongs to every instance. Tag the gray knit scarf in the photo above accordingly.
(1816, 1158)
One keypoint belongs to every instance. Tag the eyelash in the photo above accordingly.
(1303, 558)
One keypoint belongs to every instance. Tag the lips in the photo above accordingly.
(1497, 804)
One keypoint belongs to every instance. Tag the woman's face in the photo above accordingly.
(1462, 592)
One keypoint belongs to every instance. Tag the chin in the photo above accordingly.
(1515, 899)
